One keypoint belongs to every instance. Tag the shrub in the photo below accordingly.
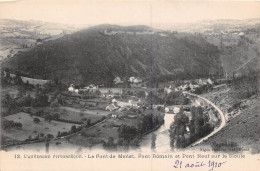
(36, 120)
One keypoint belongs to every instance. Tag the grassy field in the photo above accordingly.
(95, 135)
(70, 113)
(13, 89)
(31, 129)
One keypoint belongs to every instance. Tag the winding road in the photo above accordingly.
(222, 124)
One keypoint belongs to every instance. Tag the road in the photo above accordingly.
(222, 124)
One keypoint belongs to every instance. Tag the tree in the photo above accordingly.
(18, 125)
(36, 120)
(56, 116)
(41, 99)
(48, 117)
(7, 100)
(73, 129)
(89, 122)
(21, 91)
(141, 94)
(54, 104)
(110, 143)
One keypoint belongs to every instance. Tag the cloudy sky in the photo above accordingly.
(146, 12)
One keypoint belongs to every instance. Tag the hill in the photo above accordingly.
(100, 53)
(238, 41)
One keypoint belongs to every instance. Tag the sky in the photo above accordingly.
(147, 12)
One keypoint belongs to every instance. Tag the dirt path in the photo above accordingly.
(222, 124)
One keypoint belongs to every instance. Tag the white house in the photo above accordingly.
(187, 129)
(131, 79)
(118, 80)
(137, 80)
(92, 86)
(173, 109)
(114, 115)
(114, 101)
(135, 104)
(76, 91)
(176, 110)
(71, 88)
(196, 103)
(111, 107)
(209, 81)
(168, 90)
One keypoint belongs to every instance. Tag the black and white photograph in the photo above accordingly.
(130, 81)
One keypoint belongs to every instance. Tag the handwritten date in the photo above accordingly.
(210, 164)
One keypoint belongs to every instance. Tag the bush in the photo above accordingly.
(54, 104)
(36, 120)
(110, 143)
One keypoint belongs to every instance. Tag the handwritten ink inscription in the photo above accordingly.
(210, 164)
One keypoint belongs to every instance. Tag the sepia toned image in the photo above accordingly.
(132, 85)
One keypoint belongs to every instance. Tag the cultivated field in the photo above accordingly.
(33, 129)
(74, 114)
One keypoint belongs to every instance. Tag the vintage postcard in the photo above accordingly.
(156, 85)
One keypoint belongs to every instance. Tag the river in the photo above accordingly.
(162, 142)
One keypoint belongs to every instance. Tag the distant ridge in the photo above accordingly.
(94, 55)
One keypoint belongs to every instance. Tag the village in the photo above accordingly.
(37, 110)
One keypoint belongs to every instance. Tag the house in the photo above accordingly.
(202, 81)
(71, 88)
(156, 106)
(92, 87)
(111, 107)
(209, 81)
(172, 109)
(134, 104)
(136, 82)
(198, 103)
(131, 79)
(123, 104)
(76, 91)
(117, 115)
(187, 129)
(183, 87)
(168, 90)
(177, 89)
(114, 115)
(118, 80)
(34, 81)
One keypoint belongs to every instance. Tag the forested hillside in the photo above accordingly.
(99, 54)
